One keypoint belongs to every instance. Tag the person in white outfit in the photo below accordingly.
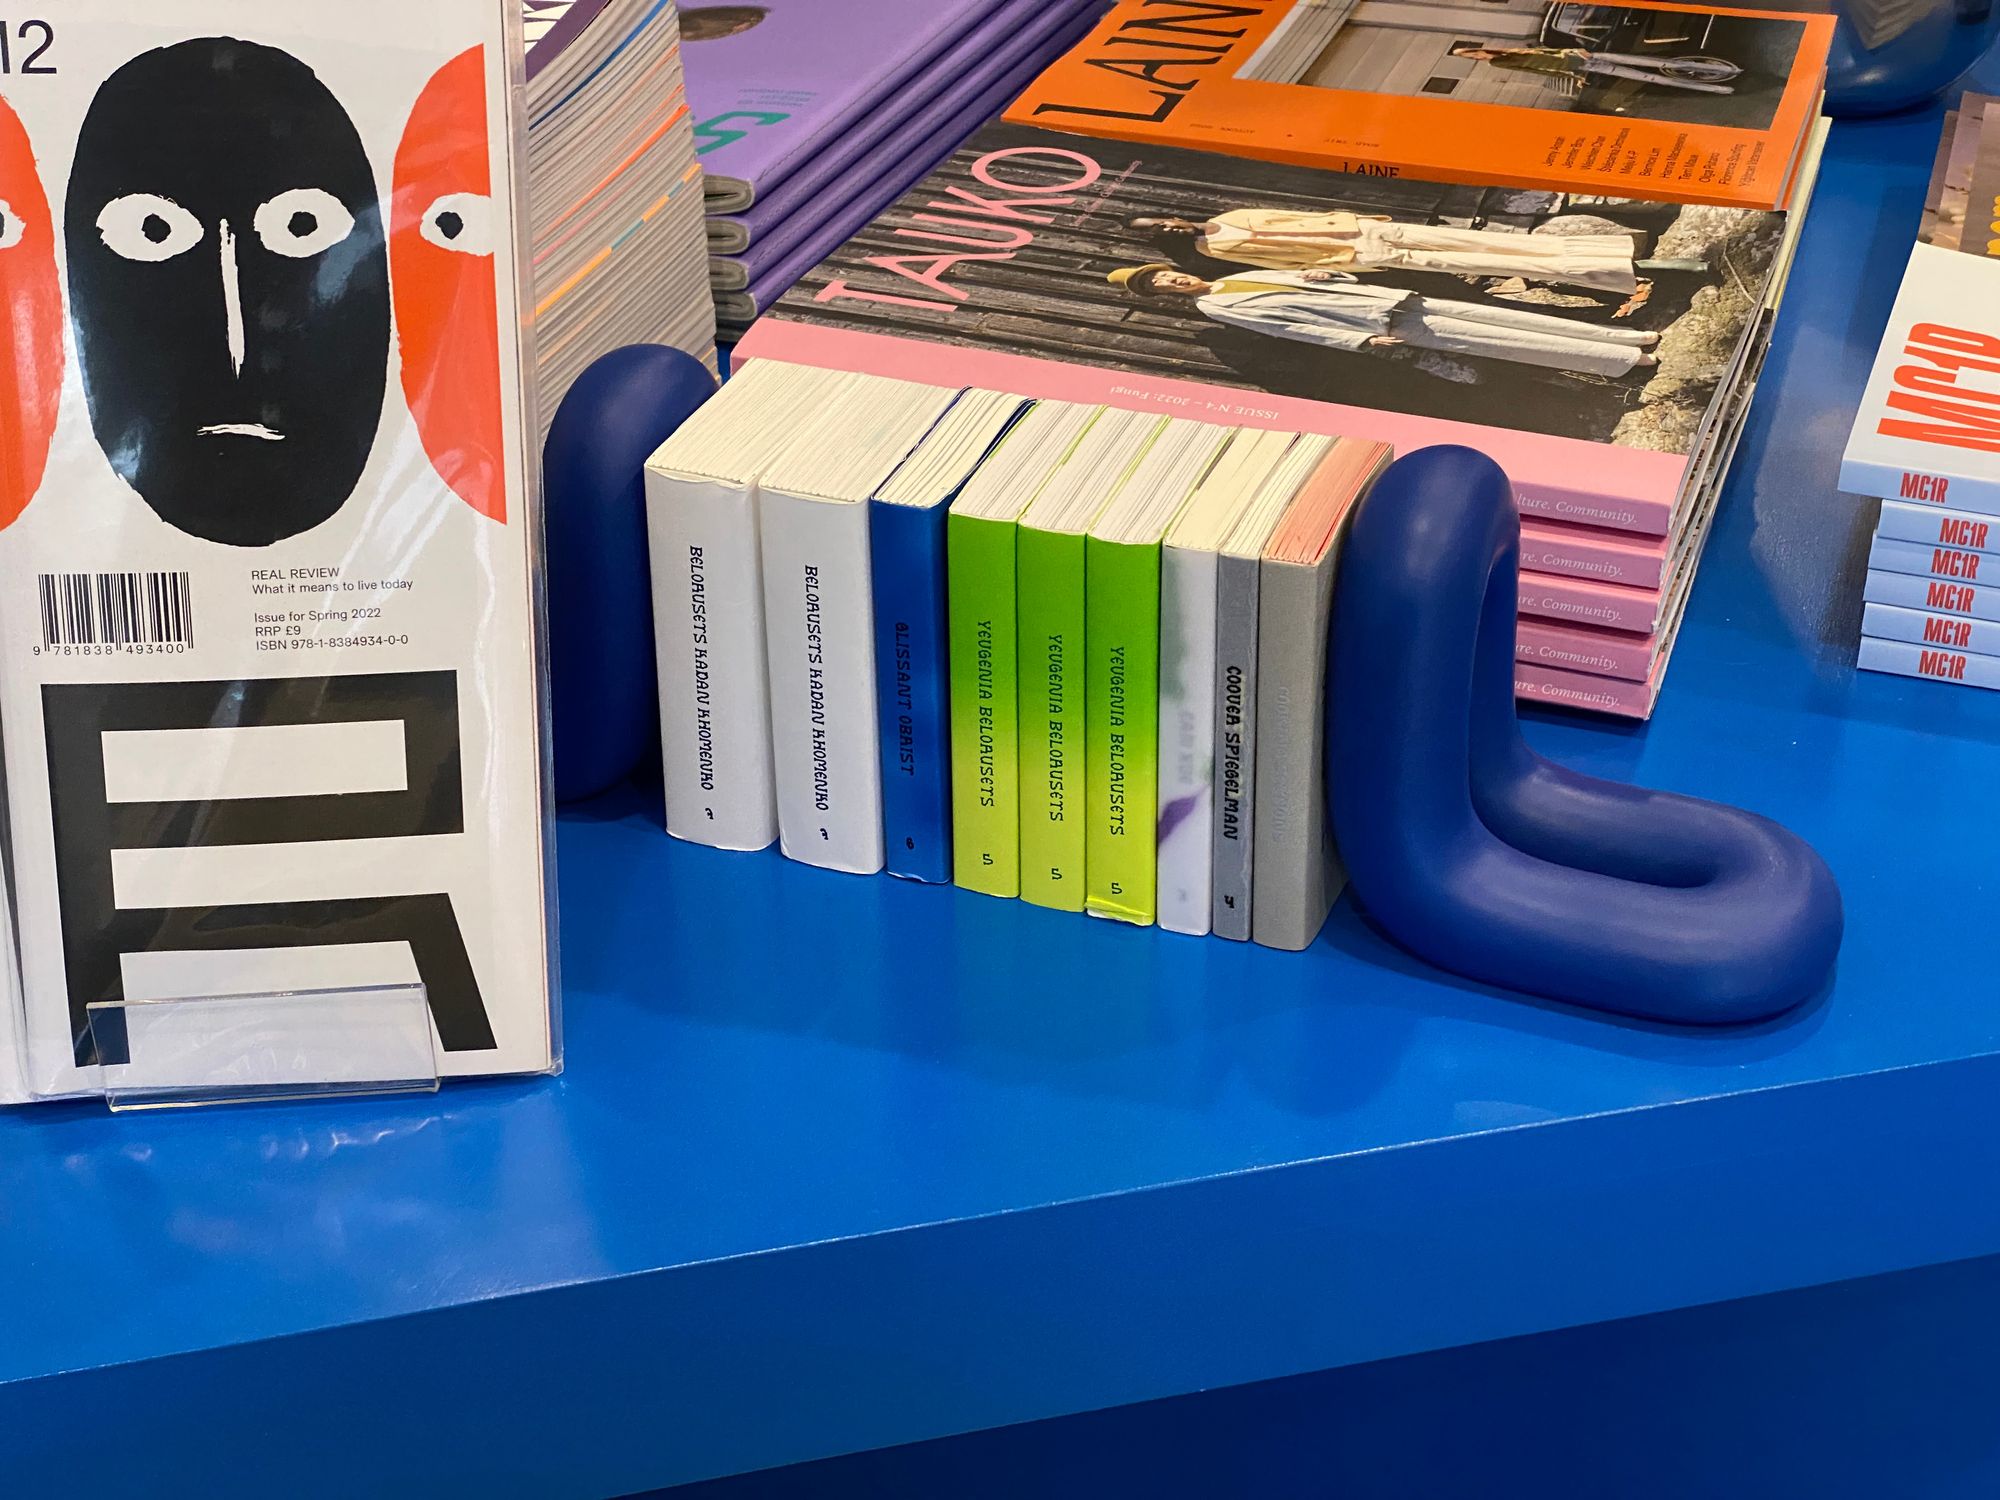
(1695, 75)
(1282, 239)
(1339, 311)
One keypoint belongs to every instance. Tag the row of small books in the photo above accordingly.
(1051, 649)
(813, 114)
(1927, 435)
(1602, 350)
(614, 190)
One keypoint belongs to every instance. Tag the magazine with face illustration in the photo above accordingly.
(1699, 104)
(267, 520)
(1583, 343)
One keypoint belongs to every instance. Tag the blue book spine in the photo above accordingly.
(913, 688)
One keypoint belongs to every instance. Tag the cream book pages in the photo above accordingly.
(820, 616)
(1238, 571)
(1187, 677)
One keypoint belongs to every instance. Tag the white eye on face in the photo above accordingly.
(11, 226)
(302, 223)
(147, 227)
(461, 222)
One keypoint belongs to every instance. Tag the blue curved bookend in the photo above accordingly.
(1480, 856)
(605, 696)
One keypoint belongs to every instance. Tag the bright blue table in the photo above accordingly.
(839, 1163)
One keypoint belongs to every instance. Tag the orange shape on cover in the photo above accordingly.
(31, 374)
(444, 281)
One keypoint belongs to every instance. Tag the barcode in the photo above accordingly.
(116, 609)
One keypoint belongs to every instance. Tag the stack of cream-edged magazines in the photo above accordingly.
(619, 250)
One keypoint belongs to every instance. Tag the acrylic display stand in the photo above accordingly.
(258, 1048)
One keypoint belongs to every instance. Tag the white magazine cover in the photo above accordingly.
(268, 529)
(1928, 427)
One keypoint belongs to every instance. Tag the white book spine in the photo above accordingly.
(1894, 622)
(708, 624)
(1937, 562)
(1934, 662)
(1915, 591)
(1187, 739)
(1938, 527)
(820, 622)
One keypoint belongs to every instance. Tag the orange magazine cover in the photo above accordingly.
(1660, 101)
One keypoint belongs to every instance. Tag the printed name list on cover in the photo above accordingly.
(1697, 105)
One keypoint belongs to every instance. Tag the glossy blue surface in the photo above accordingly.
(1863, 1390)
(841, 1162)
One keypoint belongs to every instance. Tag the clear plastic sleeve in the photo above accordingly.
(270, 588)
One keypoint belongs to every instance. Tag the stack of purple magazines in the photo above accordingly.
(812, 115)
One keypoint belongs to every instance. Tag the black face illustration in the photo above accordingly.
(229, 287)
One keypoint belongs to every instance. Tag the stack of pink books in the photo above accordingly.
(1604, 584)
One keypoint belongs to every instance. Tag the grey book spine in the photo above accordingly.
(1236, 585)
(1298, 870)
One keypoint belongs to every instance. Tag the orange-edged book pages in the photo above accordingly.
(1655, 101)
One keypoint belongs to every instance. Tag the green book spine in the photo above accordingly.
(985, 725)
(1122, 717)
(1050, 571)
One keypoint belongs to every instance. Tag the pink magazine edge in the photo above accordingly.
(1593, 552)
(1611, 653)
(1606, 695)
(1585, 601)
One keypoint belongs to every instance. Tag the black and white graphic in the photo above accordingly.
(229, 288)
(270, 631)
(98, 815)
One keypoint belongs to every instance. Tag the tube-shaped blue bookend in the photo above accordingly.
(605, 698)
(1486, 859)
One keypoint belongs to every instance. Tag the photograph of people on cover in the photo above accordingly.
(709, 23)
(1689, 67)
(1597, 318)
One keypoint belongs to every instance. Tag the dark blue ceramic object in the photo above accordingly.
(605, 696)
(1478, 855)
(1932, 44)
